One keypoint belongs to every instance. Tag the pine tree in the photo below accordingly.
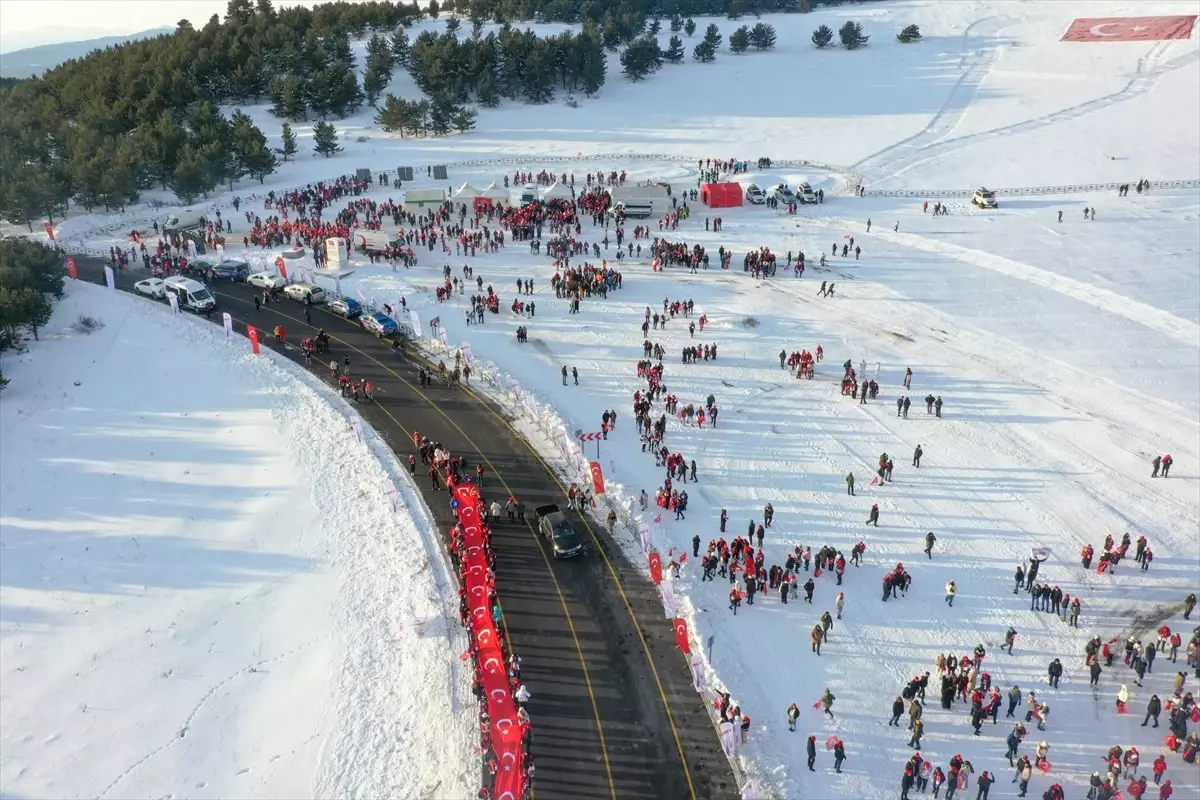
(641, 58)
(911, 33)
(379, 68)
(191, 176)
(655, 26)
(689, 27)
(288, 94)
(401, 49)
(161, 143)
(256, 157)
(737, 8)
(739, 40)
(674, 52)
(594, 65)
(453, 24)
(704, 52)
(325, 139)
(464, 120)
(852, 36)
(713, 37)
(289, 141)
(762, 36)
(441, 115)
(433, 9)
(822, 36)
(676, 23)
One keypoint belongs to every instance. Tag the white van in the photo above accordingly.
(529, 194)
(635, 209)
(192, 294)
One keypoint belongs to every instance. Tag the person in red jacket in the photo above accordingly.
(1164, 791)
(1160, 766)
(1136, 789)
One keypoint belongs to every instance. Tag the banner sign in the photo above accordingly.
(110, 278)
(681, 635)
(71, 270)
(49, 230)
(416, 323)
(442, 336)
(597, 476)
(655, 568)
(252, 333)
(173, 299)
(227, 321)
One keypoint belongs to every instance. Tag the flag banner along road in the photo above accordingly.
(1129, 29)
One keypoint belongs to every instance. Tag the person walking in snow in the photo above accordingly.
(839, 603)
(839, 755)
(817, 637)
(873, 517)
(793, 713)
(897, 711)
(929, 540)
(811, 748)
(827, 702)
(850, 483)
(951, 590)
(916, 462)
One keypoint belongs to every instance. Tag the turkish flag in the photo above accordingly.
(49, 230)
(252, 332)
(1129, 29)
(1044, 767)
(71, 270)
(831, 742)
(597, 476)
(282, 267)
(656, 568)
(681, 636)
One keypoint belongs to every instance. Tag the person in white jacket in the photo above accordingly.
(522, 695)
(951, 590)
(1122, 696)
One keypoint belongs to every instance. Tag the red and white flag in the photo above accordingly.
(1130, 29)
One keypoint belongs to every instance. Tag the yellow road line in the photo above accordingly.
(549, 568)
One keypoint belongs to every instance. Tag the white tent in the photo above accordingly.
(466, 192)
(559, 191)
(497, 194)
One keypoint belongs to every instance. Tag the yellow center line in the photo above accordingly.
(549, 568)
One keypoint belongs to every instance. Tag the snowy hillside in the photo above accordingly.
(182, 612)
(1066, 350)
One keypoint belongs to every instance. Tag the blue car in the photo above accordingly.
(234, 271)
(379, 324)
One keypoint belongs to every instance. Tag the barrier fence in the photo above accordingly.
(1075, 188)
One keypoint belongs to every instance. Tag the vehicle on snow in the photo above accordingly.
(554, 525)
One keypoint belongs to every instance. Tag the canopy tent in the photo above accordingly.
(466, 192)
(559, 191)
(496, 193)
(721, 195)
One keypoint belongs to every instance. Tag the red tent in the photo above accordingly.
(483, 205)
(721, 195)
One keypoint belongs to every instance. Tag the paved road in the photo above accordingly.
(614, 713)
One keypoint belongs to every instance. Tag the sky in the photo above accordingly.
(29, 23)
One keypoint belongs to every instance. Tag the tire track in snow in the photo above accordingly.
(1146, 77)
(975, 65)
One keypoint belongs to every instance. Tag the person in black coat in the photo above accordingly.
(1153, 709)
(897, 711)
(812, 752)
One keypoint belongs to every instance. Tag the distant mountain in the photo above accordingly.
(36, 60)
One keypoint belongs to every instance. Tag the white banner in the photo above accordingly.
(529, 404)
(416, 324)
(356, 425)
(397, 309)
(668, 598)
(361, 295)
(644, 535)
(697, 673)
(173, 299)
(220, 253)
(227, 319)
(442, 336)
(727, 738)
(110, 278)
(466, 351)
(393, 498)
(515, 387)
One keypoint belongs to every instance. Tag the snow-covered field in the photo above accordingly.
(1067, 354)
(204, 591)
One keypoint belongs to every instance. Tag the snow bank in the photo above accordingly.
(204, 589)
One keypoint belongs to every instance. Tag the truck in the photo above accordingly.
(529, 194)
(375, 241)
(554, 525)
(641, 192)
(983, 198)
(641, 207)
(424, 197)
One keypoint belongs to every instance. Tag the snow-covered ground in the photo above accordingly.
(1067, 354)
(204, 591)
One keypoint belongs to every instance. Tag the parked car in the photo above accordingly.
(379, 324)
(805, 193)
(265, 280)
(346, 307)
(555, 526)
(984, 198)
(234, 271)
(151, 287)
(303, 292)
(783, 194)
(755, 195)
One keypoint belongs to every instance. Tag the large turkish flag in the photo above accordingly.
(1129, 29)
(681, 635)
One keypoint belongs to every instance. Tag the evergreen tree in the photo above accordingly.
(689, 27)
(674, 52)
(594, 65)
(379, 68)
(288, 93)
(441, 115)
(453, 24)
(539, 74)
(704, 52)
(289, 141)
(739, 40)
(911, 33)
(433, 9)
(641, 58)
(464, 120)
(325, 138)
(737, 8)
(713, 37)
(852, 36)
(256, 157)
(762, 36)
(401, 49)
(192, 175)
(30, 274)
(161, 143)
(655, 26)
(122, 181)
(822, 36)
(676, 23)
